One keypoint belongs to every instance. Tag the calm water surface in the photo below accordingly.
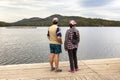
(30, 45)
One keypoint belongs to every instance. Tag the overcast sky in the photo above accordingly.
(14, 10)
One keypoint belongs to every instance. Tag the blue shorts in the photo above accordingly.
(55, 48)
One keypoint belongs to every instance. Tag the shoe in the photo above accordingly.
(52, 69)
(58, 70)
(77, 69)
(72, 71)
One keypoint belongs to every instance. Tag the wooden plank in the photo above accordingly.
(67, 78)
(103, 69)
(82, 77)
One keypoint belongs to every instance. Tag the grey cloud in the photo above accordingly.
(94, 3)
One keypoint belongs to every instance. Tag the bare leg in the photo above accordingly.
(51, 59)
(56, 60)
(57, 63)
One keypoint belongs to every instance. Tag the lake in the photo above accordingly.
(30, 44)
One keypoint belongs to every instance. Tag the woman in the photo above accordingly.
(72, 39)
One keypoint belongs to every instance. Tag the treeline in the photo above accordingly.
(64, 21)
(2, 24)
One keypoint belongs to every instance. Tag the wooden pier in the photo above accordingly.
(99, 69)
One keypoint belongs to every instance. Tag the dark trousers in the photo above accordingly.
(73, 58)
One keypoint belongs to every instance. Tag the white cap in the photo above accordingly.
(72, 22)
(55, 19)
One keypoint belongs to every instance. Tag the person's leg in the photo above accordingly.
(57, 63)
(52, 51)
(75, 58)
(56, 60)
(52, 60)
(70, 54)
(58, 50)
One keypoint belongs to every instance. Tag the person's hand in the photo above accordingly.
(59, 40)
(66, 49)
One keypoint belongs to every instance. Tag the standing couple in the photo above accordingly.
(72, 39)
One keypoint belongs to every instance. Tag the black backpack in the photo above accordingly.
(75, 38)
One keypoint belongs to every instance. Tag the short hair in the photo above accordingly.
(55, 20)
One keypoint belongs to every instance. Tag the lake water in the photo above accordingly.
(30, 45)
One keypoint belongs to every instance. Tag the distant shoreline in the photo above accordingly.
(48, 26)
(63, 21)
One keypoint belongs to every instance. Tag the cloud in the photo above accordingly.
(94, 3)
(105, 9)
(13, 10)
(23, 4)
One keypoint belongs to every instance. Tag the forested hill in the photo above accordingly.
(64, 21)
(4, 24)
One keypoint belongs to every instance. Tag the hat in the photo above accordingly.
(55, 19)
(72, 22)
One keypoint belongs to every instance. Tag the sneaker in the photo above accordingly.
(58, 70)
(77, 69)
(52, 69)
(72, 71)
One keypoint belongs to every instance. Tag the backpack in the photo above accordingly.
(75, 38)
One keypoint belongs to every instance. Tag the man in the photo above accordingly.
(54, 35)
(72, 39)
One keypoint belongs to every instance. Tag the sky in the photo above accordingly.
(15, 10)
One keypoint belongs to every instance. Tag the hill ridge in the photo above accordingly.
(64, 21)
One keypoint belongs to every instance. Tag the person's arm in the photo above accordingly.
(59, 35)
(78, 36)
(48, 35)
(65, 42)
(59, 39)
